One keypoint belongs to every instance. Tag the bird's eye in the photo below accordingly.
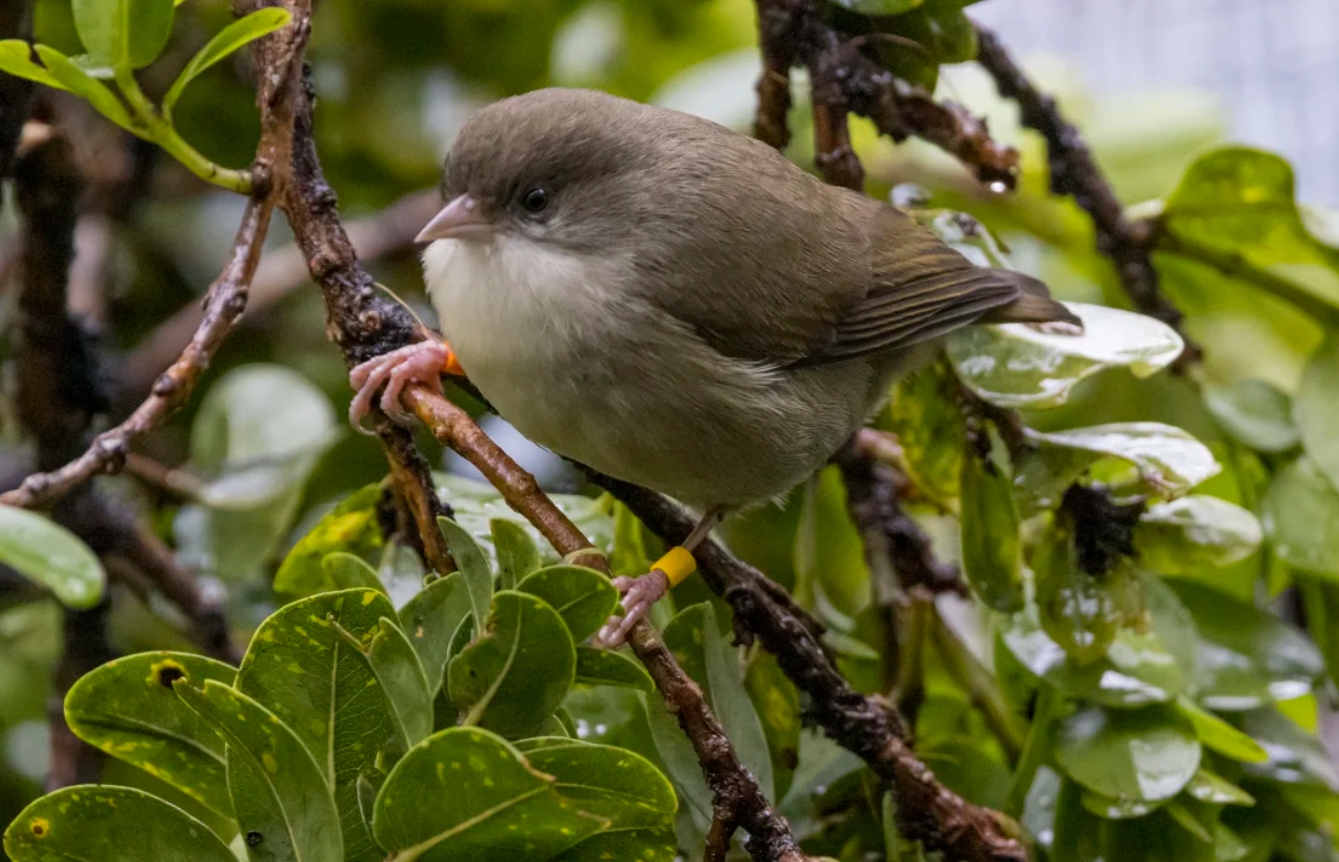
(536, 200)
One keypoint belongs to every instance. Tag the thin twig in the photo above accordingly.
(866, 726)
(793, 32)
(1074, 172)
(224, 302)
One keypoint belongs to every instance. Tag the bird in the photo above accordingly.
(676, 304)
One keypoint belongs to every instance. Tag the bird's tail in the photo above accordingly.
(1033, 305)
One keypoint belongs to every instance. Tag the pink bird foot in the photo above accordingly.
(639, 595)
(421, 362)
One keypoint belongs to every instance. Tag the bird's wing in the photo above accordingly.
(921, 289)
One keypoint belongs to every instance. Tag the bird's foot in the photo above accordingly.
(639, 594)
(421, 362)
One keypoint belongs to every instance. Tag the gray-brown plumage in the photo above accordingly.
(676, 304)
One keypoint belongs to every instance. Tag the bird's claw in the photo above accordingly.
(389, 373)
(639, 595)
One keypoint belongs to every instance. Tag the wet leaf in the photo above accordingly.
(1316, 409)
(430, 620)
(110, 824)
(1170, 461)
(1146, 754)
(1135, 669)
(127, 708)
(1118, 809)
(1081, 611)
(991, 556)
(1195, 532)
(464, 794)
(1255, 413)
(350, 527)
(604, 667)
(925, 416)
(583, 597)
(1246, 657)
(516, 553)
(1300, 514)
(517, 671)
(48, 554)
(478, 504)
(1295, 756)
(1018, 365)
(286, 798)
(1210, 787)
(303, 669)
(1222, 737)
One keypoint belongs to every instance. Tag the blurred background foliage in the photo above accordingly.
(263, 454)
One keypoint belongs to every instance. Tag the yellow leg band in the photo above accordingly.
(677, 564)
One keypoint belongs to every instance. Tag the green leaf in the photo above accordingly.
(1081, 611)
(1238, 205)
(294, 813)
(1134, 670)
(1146, 754)
(517, 671)
(1018, 365)
(583, 597)
(925, 416)
(829, 558)
(879, 7)
(110, 824)
(1220, 736)
(1118, 809)
(472, 566)
(641, 845)
(628, 556)
(1295, 756)
(350, 527)
(124, 34)
(477, 504)
(16, 59)
(464, 794)
(227, 41)
(777, 703)
(1170, 462)
(1246, 657)
(1316, 409)
(348, 572)
(605, 667)
(48, 554)
(303, 669)
(430, 619)
(1300, 514)
(397, 669)
(695, 638)
(1255, 413)
(517, 555)
(1210, 787)
(1195, 532)
(259, 433)
(991, 556)
(127, 708)
(611, 783)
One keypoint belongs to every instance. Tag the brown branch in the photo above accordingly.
(224, 302)
(1074, 172)
(792, 33)
(280, 273)
(85, 646)
(867, 726)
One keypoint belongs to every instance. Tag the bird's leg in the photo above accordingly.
(421, 362)
(641, 592)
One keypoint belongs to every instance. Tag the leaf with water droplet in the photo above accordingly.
(1022, 365)
(1146, 754)
(1254, 412)
(1300, 514)
(1195, 532)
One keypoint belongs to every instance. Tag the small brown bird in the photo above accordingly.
(676, 304)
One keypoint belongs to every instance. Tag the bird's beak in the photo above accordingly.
(461, 218)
